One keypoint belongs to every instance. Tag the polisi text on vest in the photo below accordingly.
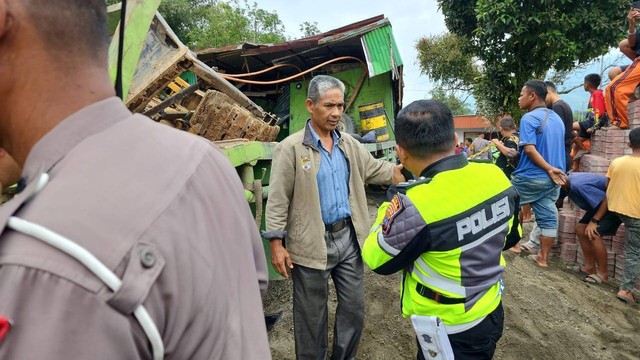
(479, 221)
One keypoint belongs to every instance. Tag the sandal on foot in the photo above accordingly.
(530, 250)
(593, 279)
(534, 258)
(625, 296)
(577, 269)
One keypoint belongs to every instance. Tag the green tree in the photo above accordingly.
(204, 24)
(514, 41)
(309, 29)
(457, 106)
(443, 59)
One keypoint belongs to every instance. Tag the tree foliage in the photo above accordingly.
(222, 23)
(514, 41)
(309, 29)
(443, 59)
(204, 24)
(449, 98)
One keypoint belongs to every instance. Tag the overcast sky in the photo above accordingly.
(410, 20)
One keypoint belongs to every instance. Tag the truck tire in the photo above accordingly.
(347, 124)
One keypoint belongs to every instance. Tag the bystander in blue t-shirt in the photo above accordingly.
(549, 142)
(587, 190)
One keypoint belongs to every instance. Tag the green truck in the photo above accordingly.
(212, 95)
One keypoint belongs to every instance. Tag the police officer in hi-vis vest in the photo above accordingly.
(445, 233)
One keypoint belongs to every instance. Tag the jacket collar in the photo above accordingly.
(451, 162)
(308, 139)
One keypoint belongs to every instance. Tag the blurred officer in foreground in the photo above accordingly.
(163, 211)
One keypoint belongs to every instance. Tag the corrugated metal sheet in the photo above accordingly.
(189, 77)
(381, 51)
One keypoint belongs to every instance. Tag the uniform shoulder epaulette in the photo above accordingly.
(404, 186)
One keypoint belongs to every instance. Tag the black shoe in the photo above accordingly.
(271, 320)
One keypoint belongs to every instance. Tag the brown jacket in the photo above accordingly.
(293, 206)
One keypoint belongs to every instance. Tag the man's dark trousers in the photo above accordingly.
(310, 295)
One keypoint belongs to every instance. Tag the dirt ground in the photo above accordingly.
(549, 314)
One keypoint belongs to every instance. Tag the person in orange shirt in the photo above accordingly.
(618, 92)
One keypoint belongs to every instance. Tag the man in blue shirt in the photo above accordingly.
(542, 163)
(587, 190)
(333, 180)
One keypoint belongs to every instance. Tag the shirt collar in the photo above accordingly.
(70, 132)
(451, 162)
(316, 138)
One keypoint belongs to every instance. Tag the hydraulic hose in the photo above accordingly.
(273, 82)
(261, 71)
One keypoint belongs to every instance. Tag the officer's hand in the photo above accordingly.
(592, 230)
(496, 142)
(397, 177)
(556, 175)
(280, 258)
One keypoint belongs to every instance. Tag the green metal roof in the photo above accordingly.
(381, 51)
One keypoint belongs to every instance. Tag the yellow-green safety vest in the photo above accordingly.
(446, 232)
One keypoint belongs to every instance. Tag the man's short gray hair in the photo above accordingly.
(320, 84)
(507, 123)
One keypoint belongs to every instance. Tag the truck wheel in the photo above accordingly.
(346, 124)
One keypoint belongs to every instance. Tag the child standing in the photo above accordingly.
(623, 198)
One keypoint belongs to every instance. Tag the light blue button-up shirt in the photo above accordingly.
(333, 181)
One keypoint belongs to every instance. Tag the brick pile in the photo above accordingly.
(594, 164)
(570, 251)
(606, 145)
(566, 236)
(610, 144)
(634, 114)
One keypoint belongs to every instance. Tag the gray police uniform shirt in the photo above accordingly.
(162, 209)
(479, 145)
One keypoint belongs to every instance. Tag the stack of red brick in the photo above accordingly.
(606, 145)
(634, 114)
(571, 253)
(610, 144)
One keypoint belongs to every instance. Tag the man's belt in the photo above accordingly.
(338, 225)
(437, 297)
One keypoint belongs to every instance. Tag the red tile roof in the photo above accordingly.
(470, 122)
